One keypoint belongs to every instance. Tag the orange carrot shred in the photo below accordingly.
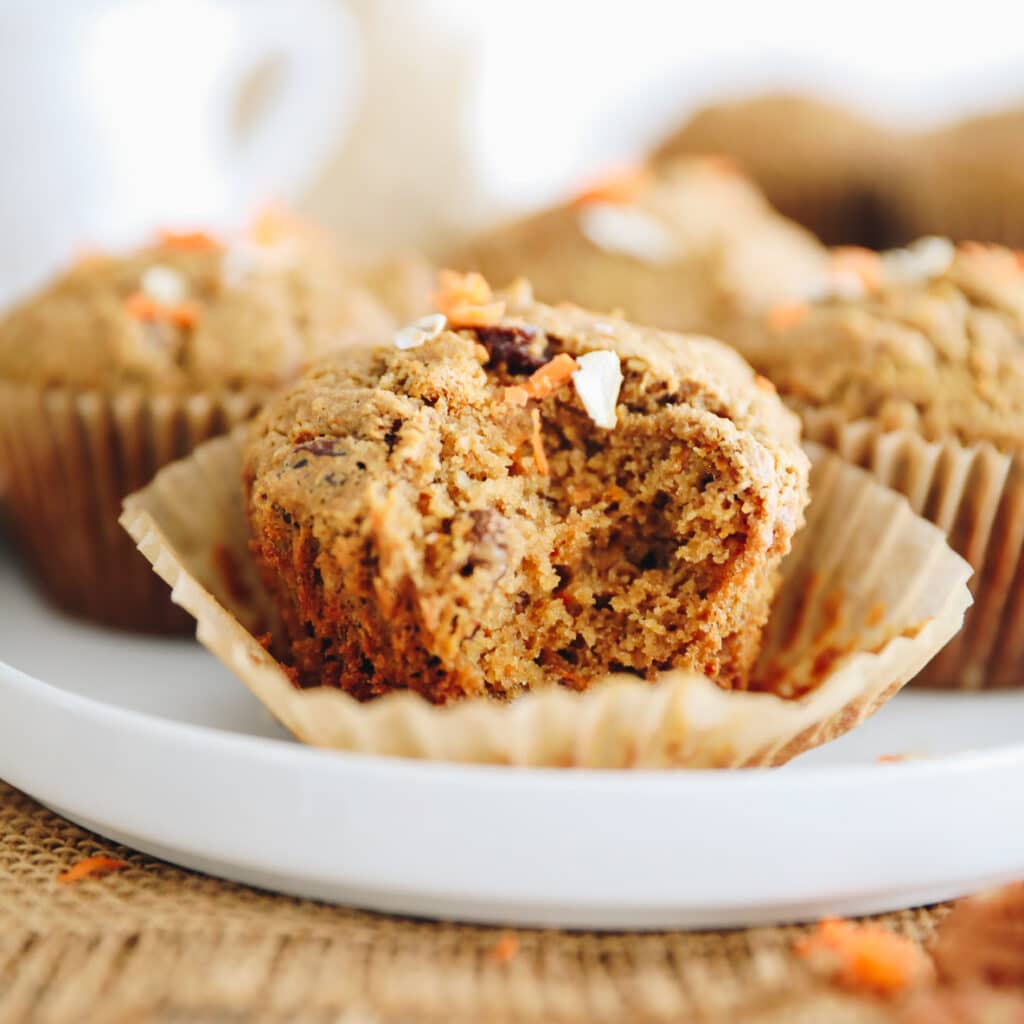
(865, 957)
(551, 376)
(139, 306)
(505, 948)
(619, 186)
(515, 396)
(465, 315)
(786, 315)
(891, 758)
(538, 445)
(91, 867)
(188, 241)
(763, 384)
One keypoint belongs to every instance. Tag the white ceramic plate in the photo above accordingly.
(154, 744)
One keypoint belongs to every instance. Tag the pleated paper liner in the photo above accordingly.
(871, 593)
(975, 494)
(69, 458)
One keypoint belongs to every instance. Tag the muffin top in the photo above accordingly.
(516, 494)
(817, 162)
(688, 247)
(192, 312)
(933, 340)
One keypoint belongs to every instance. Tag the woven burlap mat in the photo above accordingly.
(157, 943)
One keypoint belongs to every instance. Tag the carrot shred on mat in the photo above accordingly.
(505, 948)
(619, 186)
(787, 314)
(188, 241)
(538, 445)
(865, 957)
(91, 867)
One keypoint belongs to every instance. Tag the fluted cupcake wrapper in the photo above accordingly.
(870, 593)
(69, 458)
(975, 494)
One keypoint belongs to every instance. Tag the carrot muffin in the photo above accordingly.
(826, 167)
(514, 495)
(689, 247)
(968, 181)
(920, 376)
(125, 363)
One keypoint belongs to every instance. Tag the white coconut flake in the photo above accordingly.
(623, 229)
(920, 261)
(164, 285)
(597, 382)
(419, 333)
(244, 257)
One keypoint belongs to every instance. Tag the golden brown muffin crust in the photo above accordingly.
(245, 316)
(942, 354)
(689, 247)
(404, 520)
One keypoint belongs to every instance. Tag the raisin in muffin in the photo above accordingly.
(823, 165)
(690, 247)
(124, 363)
(518, 495)
(920, 376)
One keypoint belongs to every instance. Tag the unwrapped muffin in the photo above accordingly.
(690, 246)
(517, 495)
(819, 163)
(125, 363)
(920, 376)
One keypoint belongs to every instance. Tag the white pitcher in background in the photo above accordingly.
(117, 116)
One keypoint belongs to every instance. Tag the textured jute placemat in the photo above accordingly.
(156, 943)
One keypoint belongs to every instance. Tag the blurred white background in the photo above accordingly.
(410, 122)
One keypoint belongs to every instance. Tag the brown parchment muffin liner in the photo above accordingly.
(69, 458)
(975, 494)
(870, 593)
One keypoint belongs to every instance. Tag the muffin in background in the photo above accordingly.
(968, 181)
(515, 496)
(689, 246)
(127, 362)
(818, 163)
(403, 284)
(918, 375)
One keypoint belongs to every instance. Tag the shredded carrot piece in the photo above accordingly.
(551, 376)
(188, 241)
(856, 260)
(865, 957)
(538, 445)
(91, 867)
(516, 396)
(787, 315)
(476, 316)
(620, 186)
(455, 288)
(764, 384)
(891, 758)
(139, 306)
(505, 948)
(185, 314)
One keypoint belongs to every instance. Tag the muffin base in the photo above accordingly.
(861, 610)
(70, 458)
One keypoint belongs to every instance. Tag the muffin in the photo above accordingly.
(124, 363)
(403, 284)
(689, 247)
(818, 163)
(968, 181)
(921, 378)
(516, 495)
